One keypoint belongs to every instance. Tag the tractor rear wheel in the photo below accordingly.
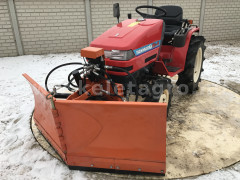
(189, 79)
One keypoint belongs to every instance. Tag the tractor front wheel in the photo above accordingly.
(189, 79)
(163, 92)
(166, 96)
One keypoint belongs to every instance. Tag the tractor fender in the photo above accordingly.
(189, 35)
(179, 54)
(180, 39)
(187, 42)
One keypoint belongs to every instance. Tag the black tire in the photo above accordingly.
(189, 79)
(166, 90)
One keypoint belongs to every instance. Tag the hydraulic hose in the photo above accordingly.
(69, 77)
(113, 85)
(108, 76)
(66, 64)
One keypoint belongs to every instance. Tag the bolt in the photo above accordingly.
(162, 171)
(91, 165)
(117, 167)
(139, 169)
(111, 167)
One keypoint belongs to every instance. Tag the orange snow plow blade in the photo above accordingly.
(103, 135)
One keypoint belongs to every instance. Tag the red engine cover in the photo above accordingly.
(130, 34)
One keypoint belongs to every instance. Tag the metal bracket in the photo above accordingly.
(51, 100)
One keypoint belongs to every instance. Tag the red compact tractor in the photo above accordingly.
(113, 115)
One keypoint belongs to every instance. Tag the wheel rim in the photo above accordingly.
(164, 98)
(197, 66)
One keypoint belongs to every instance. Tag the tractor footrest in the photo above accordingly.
(172, 68)
(167, 61)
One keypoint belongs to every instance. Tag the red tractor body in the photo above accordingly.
(145, 39)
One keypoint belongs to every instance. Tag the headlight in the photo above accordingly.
(119, 55)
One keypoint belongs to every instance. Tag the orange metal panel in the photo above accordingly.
(104, 134)
(44, 116)
(134, 131)
(92, 52)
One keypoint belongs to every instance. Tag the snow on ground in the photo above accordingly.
(20, 155)
(222, 64)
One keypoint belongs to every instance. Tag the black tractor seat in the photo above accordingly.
(170, 30)
(173, 19)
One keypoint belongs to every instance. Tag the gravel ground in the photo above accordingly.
(20, 155)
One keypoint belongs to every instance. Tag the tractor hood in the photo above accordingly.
(130, 34)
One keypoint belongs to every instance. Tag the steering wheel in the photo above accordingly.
(161, 12)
